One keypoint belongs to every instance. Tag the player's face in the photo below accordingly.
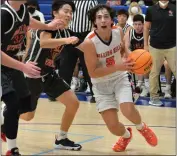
(64, 13)
(138, 26)
(103, 19)
(122, 19)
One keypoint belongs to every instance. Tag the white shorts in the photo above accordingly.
(112, 93)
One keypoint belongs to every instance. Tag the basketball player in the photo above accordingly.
(45, 47)
(122, 16)
(15, 21)
(111, 85)
(134, 40)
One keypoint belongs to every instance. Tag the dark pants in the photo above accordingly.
(68, 59)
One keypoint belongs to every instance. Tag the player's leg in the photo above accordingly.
(11, 115)
(34, 85)
(124, 97)
(56, 87)
(107, 106)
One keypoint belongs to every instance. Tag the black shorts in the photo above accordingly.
(14, 81)
(52, 85)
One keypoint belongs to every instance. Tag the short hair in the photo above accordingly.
(57, 4)
(123, 12)
(33, 3)
(138, 17)
(92, 12)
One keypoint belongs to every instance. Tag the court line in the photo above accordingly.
(80, 142)
(48, 131)
(56, 124)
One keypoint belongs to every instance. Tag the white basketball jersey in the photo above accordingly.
(108, 53)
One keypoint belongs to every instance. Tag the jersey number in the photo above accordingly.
(110, 61)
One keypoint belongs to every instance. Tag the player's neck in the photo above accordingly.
(15, 4)
(104, 35)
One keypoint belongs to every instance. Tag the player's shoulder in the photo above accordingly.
(91, 35)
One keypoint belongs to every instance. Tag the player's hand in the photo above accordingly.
(31, 70)
(72, 40)
(55, 24)
(127, 65)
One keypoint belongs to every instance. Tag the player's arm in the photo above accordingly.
(29, 68)
(53, 25)
(46, 40)
(92, 61)
(127, 42)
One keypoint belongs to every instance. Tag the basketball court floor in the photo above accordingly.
(37, 136)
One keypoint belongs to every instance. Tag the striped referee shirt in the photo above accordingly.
(80, 22)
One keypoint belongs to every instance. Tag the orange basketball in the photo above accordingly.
(143, 61)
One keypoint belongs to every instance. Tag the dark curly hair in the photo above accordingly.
(92, 12)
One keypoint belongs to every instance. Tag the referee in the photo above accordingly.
(81, 26)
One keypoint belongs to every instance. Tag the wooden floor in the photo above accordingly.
(37, 137)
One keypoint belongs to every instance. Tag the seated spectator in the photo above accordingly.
(34, 10)
(122, 17)
(140, 2)
(113, 2)
(133, 10)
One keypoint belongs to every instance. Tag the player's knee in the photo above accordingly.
(73, 106)
(128, 110)
(27, 116)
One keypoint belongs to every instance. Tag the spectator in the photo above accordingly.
(133, 10)
(160, 25)
(122, 17)
(113, 2)
(34, 10)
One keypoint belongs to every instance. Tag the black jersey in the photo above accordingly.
(14, 26)
(136, 40)
(45, 57)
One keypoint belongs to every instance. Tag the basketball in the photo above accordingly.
(143, 61)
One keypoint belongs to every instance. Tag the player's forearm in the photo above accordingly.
(10, 62)
(52, 43)
(35, 24)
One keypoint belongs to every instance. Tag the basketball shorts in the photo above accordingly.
(52, 85)
(110, 94)
(14, 81)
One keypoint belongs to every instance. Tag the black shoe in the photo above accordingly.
(67, 144)
(13, 152)
(138, 90)
(92, 100)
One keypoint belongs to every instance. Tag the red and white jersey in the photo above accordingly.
(108, 53)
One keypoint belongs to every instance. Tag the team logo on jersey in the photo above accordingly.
(54, 53)
(170, 13)
(17, 38)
